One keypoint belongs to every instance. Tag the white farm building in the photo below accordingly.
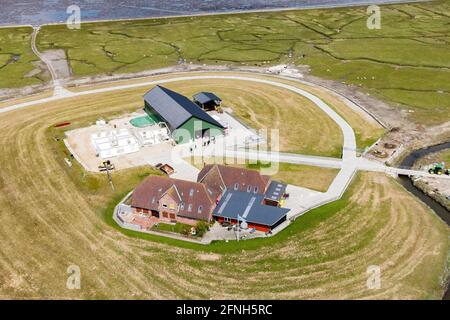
(113, 143)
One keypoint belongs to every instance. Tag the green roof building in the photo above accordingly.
(186, 120)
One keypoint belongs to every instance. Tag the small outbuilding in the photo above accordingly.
(275, 194)
(207, 100)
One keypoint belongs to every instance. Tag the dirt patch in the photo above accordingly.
(59, 62)
(22, 93)
(438, 189)
(208, 257)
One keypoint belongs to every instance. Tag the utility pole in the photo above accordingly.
(107, 164)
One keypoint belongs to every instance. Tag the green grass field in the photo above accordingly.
(172, 228)
(406, 62)
(315, 178)
(17, 60)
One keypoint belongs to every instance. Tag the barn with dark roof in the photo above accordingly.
(185, 119)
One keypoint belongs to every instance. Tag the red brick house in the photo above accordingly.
(220, 178)
(173, 200)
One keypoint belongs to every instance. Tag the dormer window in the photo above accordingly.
(200, 209)
(190, 207)
(236, 186)
(256, 190)
(249, 188)
(191, 193)
(182, 206)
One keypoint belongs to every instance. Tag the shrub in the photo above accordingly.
(186, 230)
(201, 228)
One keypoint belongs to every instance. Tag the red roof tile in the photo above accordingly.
(230, 176)
(197, 201)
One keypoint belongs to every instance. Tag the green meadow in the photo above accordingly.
(405, 63)
(18, 64)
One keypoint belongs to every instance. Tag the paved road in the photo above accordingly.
(286, 158)
(349, 163)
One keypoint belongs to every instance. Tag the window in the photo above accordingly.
(200, 209)
(164, 205)
(236, 186)
(256, 190)
(190, 207)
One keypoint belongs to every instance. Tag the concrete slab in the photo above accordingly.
(219, 233)
(299, 199)
(80, 144)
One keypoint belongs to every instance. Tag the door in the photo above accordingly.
(206, 133)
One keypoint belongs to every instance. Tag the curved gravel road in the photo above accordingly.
(349, 164)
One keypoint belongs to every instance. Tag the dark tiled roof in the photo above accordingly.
(241, 176)
(250, 207)
(205, 97)
(175, 108)
(275, 191)
(148, 193)
(204, 171)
